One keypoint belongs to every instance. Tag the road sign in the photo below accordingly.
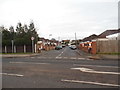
(32, 38)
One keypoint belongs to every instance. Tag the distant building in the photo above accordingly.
(106, 42)
(91, 37)
(104, 35)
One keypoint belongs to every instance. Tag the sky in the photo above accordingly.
(61, 18)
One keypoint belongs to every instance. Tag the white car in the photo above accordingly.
(73, 47)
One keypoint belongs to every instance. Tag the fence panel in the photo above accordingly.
(108, 46)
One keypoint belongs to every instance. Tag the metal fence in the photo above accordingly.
(17, 49)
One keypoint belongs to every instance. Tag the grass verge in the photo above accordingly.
(14, 53)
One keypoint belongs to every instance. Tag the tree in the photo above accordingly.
(6, 38)
(32, 31)
(22, 35)
(25, 28)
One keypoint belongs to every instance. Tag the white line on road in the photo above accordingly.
(93, 71)
(96, 66)
(87, 82)
(32, 57)
(58, 57)
(27, 63)
(41, 57)
(61, 53)
(18, 75)
(81, 58)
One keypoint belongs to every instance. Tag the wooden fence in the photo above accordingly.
(107, 46)
(102, 46)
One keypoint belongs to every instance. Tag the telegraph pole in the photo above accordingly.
(75, 39)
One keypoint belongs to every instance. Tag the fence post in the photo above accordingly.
(14, 49)
(5, 49)
(24, 48)
(35, 48)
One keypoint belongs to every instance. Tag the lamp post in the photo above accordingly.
(75, 40)
(32, 38)
(49, 36)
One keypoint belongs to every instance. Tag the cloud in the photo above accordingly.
(61, 17)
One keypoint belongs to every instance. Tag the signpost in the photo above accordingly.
(32, 38)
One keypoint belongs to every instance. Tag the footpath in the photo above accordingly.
(18, 55)
(98, 56)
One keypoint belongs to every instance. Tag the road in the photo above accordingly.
(63, 68)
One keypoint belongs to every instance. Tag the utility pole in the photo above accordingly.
(75, 39)
(49, 36)
(58, 40)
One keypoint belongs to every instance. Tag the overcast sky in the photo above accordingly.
(62, 18)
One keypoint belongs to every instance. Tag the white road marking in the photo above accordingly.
(61, 53)
(32, 57)
(97, 66)
(42, 57)
(81, 58)
(18, 75)
(73, 58)
(58, 57)
(87, 82)
(93, 71)
(27, 63)
(89, 59)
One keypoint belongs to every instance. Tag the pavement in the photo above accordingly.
(98, 56)
(17, 55)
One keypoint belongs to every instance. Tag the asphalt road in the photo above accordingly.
(63, 68)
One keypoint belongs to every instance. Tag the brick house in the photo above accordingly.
(96, 40)
(46, 44)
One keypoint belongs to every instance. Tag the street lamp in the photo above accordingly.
(49, 36)
(75, 39)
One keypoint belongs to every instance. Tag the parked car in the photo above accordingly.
(63, 46)
(73, 47)
(58, 47)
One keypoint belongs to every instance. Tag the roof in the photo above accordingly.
(93, 36)
(108, 32)
(41, 39)
(102, 35)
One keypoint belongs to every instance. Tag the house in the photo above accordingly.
(46, 44)
(108, 32)
(91, 37)
(106, 42)
(115, 36)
